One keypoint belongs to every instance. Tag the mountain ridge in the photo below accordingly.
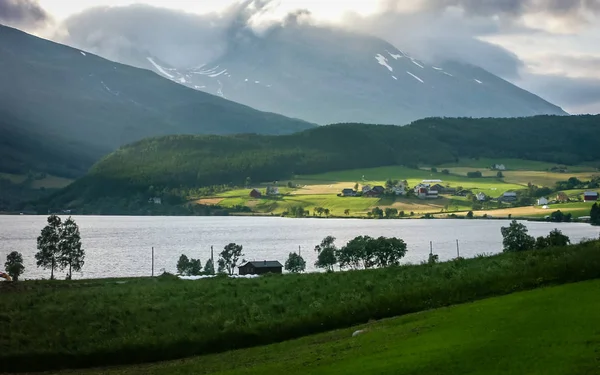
(327, 75)
(65, 96)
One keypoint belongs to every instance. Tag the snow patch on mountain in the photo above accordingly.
(83, 53)
(217, 74)
(415, 77)
(478, 81)
(394, 56)
(160, 68)
(417, 64)
(383, 61)
(394, 77)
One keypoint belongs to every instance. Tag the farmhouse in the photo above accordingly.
(155, 200)
(590, 196)
(255, 193)
(376, 191)
(481, 197)
(261, 267)
(272, 190)
(399, 190)
(499, 167)
(366, 188)
(562, 197)
(542, 201)
(348, 193)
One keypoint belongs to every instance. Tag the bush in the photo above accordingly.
(476, 174)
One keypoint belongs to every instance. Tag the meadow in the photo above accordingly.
(50, 325)
(311, 191)
(499, 335)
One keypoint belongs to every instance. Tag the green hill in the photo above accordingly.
(174, 164)
(61, 109)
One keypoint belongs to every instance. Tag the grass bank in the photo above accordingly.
(514, 334)
(52, 325)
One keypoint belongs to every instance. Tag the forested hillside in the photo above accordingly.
(173, 164)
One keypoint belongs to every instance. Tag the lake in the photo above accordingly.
(118, 246)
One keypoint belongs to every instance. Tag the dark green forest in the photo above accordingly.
(173, 164)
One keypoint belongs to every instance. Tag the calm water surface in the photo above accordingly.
(121, 245)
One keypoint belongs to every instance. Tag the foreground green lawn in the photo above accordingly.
(549, 331)
(49, 325)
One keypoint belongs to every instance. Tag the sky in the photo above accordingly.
(549, 47)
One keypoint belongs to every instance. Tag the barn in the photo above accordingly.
(261, 267)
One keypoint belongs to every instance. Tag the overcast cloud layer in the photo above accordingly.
(549, 47)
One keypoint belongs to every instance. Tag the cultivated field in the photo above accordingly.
(312, 191)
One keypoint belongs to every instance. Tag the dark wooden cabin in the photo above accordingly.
(261, 267)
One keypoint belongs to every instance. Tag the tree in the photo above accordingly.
(516, 238)
(195, 267)
(356, 186)
(319, 210)
(248, 182)
(295, 263)
(358, 252)
(221, 266)
(499, 174)
(183, 265)
(557, 239)
(469, 215)
(209, 267)
(14, 265)
(346, 212)
(433, 258)
(595, 214)
(326, 251)
(389, 184)
(229, 257)
(541, 243)
(389, 251)
(377, 212)
(445, 171)
(391, 212)
(71, 255)
(47, 244)
(476, 174)
(326, 212)
(434, 170)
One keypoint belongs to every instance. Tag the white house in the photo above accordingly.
(366, 188)
(542, 201)
(481, 197)
(399, 190)
(155, 200)
(272, 190)
(499, 167)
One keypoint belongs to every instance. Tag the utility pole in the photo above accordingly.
(457, 249)
(430, 247)
(299, 251)
(152, 261)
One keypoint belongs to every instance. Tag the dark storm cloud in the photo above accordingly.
(26, 14)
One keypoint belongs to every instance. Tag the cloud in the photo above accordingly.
(576, 95)
(25, 14)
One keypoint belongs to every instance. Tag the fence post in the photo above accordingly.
(152, 261)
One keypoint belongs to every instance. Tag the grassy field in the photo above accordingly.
(515, 164)
(50, 325)
(514, 334)
(321, 190)
(577, 209)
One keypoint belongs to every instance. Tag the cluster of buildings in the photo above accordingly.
(269, 191)
(562, 197)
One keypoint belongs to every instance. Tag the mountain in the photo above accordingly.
(61, 108)
(175, 165)
(326, 75)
